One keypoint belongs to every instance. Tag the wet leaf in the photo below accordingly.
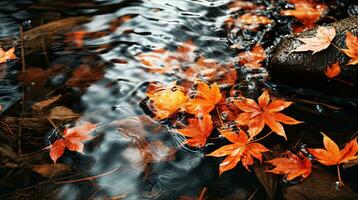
(72, 140)
(252, 58)
(51, 170)
(198, 131)
(291, 165)
(306, 11)
(62, 112)
(166, 102)
(251, 21)
(205, 100)
(8, 55)
(255, 116)
(241, 150)
(319, 42)
(352, 51)
(39, 106)
(331, 155)
(241, 5)
(332, 70)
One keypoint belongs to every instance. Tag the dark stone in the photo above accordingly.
(302, 69)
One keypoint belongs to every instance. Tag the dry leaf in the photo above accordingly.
(255, 116)
(241, 150)
(352, 51)
(39, 106)
(332, 70)
(319, 42)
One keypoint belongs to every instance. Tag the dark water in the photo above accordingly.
(115, 89)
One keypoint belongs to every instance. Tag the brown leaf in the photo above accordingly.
(35, 77)
(62, 112)
(39, 106)
(51, 170)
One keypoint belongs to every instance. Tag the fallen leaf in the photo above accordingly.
(166, 102)
(51, 170)
(35, 77)
(76, 38)
(241, 150)
(8, 55)
(291, 165)
(39, 106)
(306, 11)
(198, 131)
(241, 5)
(331, 155)
(332, 70)
(253, 20)
(252, 58)
(352, 51)
(72, 139)
(255, 116)
(205, 100)
(319, 42)
(62, 112)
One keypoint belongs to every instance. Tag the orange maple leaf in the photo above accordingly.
(252, 21)
(265, 112)
(252, 58)
(332, 70)
(291, 165)
(241, 149)
(352, 51)
(331, 155)
(167, 101)
(206, 99)
(319, 42)
(7, 55)
(307, 12)
(72, 139)
(198, 131)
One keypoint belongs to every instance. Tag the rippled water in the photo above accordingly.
(115, 92)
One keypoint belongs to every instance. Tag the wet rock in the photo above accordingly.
(302, 69)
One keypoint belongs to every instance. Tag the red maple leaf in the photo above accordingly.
(72, 139)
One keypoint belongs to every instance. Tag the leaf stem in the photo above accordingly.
(339, 176)
(219, 115)
(265, 136)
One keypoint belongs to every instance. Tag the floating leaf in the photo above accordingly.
(8, 55)
(265, 112)
(72, 139)
(198, 131)
(252, 58)
(166, 102)
(206, 99)
(241, 149)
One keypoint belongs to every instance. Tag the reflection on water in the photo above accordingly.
(132, 156)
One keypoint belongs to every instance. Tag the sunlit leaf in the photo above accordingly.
(352, 51)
